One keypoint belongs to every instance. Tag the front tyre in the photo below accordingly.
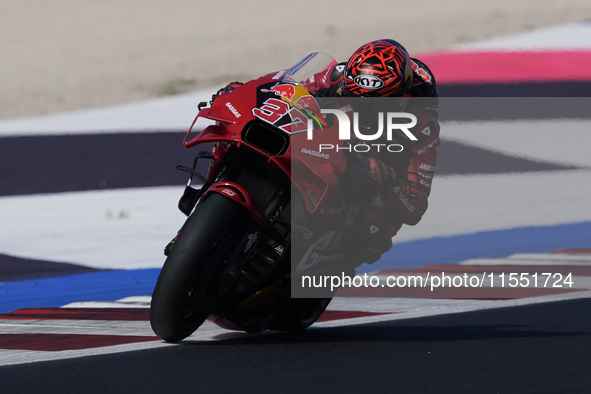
(299, 314)
(186, 289)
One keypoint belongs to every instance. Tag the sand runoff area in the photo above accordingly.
(63, 55)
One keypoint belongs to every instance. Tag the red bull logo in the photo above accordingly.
(294, 95)
(285, 91)
(299, 97)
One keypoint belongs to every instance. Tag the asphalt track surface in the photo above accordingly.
(542, 348)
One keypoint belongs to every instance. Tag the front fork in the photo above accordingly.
(191, 195)
(226, 187)
(220, 180)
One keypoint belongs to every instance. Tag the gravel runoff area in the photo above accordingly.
(62, 55)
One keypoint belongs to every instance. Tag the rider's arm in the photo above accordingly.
(406, 191)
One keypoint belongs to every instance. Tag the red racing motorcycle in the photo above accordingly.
(270, 208)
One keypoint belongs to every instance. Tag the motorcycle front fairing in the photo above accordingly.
(244, 115)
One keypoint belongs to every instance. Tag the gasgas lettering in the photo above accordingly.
(315, 153)
(233, 110)
(347, 108)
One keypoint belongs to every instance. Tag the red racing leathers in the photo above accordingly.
(406, 193)
(414, 170)
(405, 181)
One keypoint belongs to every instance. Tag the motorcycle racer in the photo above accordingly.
(378, 69)
(383, 68)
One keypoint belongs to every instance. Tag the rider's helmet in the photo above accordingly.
(380, 68)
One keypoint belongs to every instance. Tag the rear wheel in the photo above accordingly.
(187, 287)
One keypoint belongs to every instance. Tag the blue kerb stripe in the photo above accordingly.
(59, 291)
(114, 285)
(487, 244)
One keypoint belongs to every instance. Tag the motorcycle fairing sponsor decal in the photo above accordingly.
(289, 108)
(319, 252)
(233, 110)
(228, 192)
(315, 153)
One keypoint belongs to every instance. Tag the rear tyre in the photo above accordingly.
(187, 287)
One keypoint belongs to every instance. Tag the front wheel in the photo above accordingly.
(299, 314)
(186, 289)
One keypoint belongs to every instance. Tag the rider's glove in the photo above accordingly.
(226, 89)
(373, 171)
